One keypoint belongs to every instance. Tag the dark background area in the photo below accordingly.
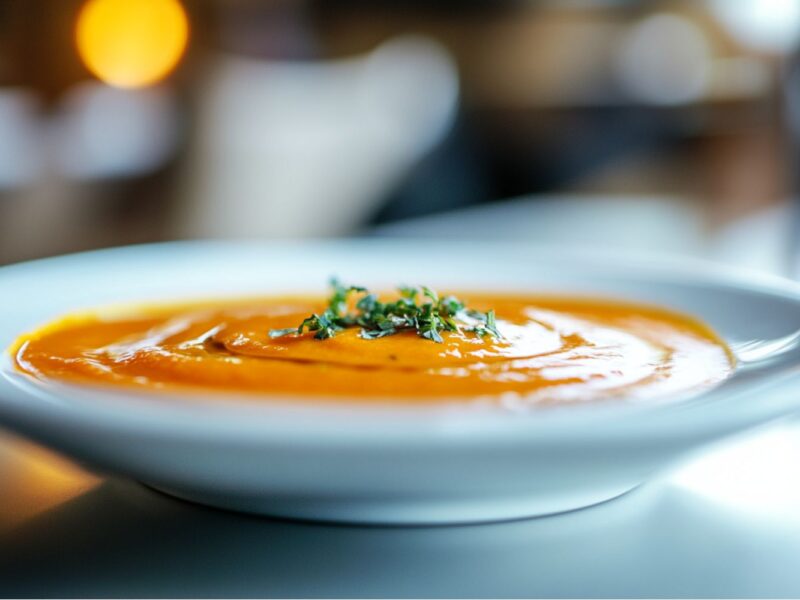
(293, 119)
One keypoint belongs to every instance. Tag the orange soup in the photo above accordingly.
(544, 350)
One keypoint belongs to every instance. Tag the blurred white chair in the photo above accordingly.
(287, 149)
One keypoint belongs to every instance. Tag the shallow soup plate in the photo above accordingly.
(390, 462)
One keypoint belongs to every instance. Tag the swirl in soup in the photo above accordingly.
(532, 350)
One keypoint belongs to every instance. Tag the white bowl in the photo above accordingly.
(390, 463)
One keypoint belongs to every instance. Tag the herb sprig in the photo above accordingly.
(417, 309)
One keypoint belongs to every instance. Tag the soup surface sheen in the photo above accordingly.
(552, 351)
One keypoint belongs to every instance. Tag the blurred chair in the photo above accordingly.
(289, 149)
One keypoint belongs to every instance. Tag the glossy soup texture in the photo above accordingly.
(552, 351)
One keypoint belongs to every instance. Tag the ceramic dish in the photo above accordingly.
(389, 463)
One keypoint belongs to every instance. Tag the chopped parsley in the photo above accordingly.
(417, 309)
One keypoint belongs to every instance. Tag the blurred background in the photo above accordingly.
(668, 126)
(645, 126)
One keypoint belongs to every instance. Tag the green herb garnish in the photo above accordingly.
(489, 326)
(417, 309)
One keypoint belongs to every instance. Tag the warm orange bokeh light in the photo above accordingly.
(131, 43)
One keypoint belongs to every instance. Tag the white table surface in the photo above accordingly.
(725, 524)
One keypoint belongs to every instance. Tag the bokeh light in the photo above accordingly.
(131, 43)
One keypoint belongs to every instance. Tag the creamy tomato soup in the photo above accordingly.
(541, 350)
